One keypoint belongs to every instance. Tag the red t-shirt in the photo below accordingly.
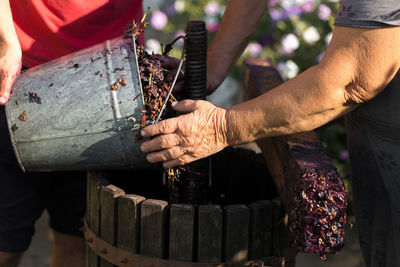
(48, 29)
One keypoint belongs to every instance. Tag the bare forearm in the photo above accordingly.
(7, 31)
(10, 52)
(238, 24)
(358, 65)
(296, 106)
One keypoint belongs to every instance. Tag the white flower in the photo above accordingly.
(311, 35)
(158, 20)
(212, 9)
(324, 12)
(254, 49)
(152, 45)
(288, 69)
(179, 6)
(289, 43)
(288, 3)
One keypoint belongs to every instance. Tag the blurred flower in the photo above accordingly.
(254, 49)
(288, 69)
(276, 14)
(299, 2)
(311, 35)
(212, 9)
(273, 2)
(324, 12)
(308, 6)
(158, 20)
(179, 33)
(179, 6)
(152, 45)
(291, 11)
(343, 155)
(286, 3)
(212, 25)
(170, 10)
(289, 43)
(300, 27)
(328, 38)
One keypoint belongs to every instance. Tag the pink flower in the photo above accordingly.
(254, 49)
(212, 9)
(308, 6)
(179, 33)
(212, 26)
(276, 14)
(273, 2)
(158, 20)
(324, 12)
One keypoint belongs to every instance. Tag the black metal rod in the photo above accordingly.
(195, 181)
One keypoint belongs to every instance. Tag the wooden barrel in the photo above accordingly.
(128, 229)
(129, 225)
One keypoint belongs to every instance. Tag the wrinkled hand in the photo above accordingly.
(10, 66)
(197, 134)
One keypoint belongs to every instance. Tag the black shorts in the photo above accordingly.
(24, 197)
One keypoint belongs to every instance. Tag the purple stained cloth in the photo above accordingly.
(368, 13)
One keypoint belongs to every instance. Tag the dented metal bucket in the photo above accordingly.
(63, 115)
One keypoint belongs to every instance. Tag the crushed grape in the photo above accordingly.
(318, 217)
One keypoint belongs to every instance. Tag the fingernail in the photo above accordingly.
(2, 100)
(142, 132)
(164, 165)
(149, 158)
(142, 148)
(173, 104)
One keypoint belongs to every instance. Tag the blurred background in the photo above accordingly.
(294, 34)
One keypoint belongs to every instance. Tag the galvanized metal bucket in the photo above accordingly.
(63, 115)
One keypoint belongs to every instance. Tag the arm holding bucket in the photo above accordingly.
(10, 52)
(238, 24)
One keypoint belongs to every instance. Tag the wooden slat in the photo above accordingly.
(153, 228)
(277, 249)
(236, 233)
(95, 181)
(281, 242)
(129, 222)
(181, 230)
(261, 221)
(109, 216)
(209, 232)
